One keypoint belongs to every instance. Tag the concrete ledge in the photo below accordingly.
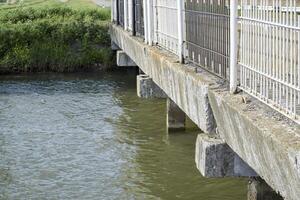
(214, 158)
(269, 145)
(146, 88)
(123, 60)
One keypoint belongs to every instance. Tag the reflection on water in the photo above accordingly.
(89, 137)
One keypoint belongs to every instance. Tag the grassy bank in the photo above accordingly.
(53, 36)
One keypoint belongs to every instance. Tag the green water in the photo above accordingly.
(88, 136)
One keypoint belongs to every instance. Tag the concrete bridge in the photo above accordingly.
(245, 102)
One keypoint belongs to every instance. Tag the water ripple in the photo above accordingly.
(89, 137)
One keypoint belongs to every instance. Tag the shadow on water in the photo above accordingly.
(88, 136)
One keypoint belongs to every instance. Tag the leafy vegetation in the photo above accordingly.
(53, 38)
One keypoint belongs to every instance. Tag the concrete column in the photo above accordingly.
(214, 158)
(123, 60)
(146, 88)
(175, 117)
(258, 189)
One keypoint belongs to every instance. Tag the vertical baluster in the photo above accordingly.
(264, 43)
(272, 67)
(294, 58)
(290, 23)
(180, 30)
(242, 57)
(233, 45)
(280, 39)
(298, 56)
(286, 61)
(145, 21)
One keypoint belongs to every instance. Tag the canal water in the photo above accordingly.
(88, 136)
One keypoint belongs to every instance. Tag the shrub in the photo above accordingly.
(53, 39)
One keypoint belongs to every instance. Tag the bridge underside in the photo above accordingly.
(267, 142)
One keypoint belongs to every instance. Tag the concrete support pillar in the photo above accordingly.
(214, 158)
(146, 88)
(258, 189)
(123, 60)
(175, 117)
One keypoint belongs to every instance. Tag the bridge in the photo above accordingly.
(233, 68)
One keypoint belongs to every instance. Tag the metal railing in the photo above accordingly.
(253, 44)
(166, 24)
(269, 60)
(207, 35)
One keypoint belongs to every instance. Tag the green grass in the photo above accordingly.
(49, 35)
(74, 4)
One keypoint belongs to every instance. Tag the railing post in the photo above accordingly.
(112, 10)
(149, 21)
(125, 14)
(180, 29)
(233, 45)
(145, 21)
(117, 10)
(133, 17)
(154, 11)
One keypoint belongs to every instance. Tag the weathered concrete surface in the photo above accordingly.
(270, 146)
(175, 117)
(214, 158)
(123, 60)
(259, 190)
(146, 88)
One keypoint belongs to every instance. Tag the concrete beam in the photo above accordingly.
(258, 189)
(175, 117)
(123, 60)
(266, 142)
(214, 158)
(146, 88)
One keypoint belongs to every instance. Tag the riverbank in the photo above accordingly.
(51, 36)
